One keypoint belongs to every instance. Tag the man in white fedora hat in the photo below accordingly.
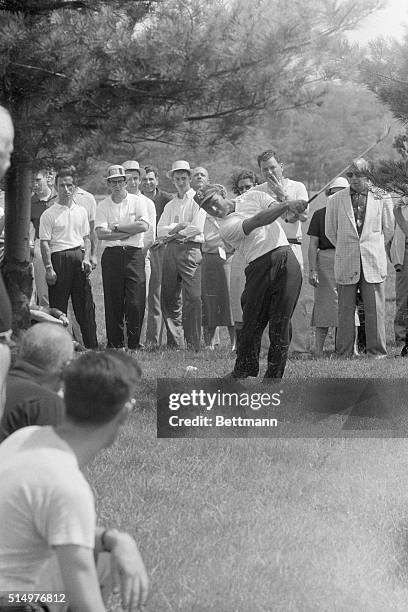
(181, 226)
(122, 220)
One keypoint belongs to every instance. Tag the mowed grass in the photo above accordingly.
(251, 525)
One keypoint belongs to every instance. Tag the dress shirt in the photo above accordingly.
(180, 210)
(87, 200)
(131, 209)
(64, 226)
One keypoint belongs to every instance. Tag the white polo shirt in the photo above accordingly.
(64, 226)
(262, 239)
(131, 209)
(183, 209)
(87, 200)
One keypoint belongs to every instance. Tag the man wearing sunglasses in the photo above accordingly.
(360, 224)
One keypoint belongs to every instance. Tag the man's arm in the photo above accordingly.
(78, 572)
(94, 244)
(50, 274)
(109, 234)
(269, 215)
(128, 570)
(138, 227)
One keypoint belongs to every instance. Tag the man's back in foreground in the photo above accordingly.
(48, 538)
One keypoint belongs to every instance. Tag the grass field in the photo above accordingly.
(260, 525)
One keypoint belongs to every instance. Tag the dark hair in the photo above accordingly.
(66, 171)
(243, 174)
(263, 157)
(98, 384)
(150, 168)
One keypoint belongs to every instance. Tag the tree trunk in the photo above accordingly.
(17, 269)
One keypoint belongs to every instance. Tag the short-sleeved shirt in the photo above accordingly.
(45, 501)
(64, 226)
(160, 200)
(131, 209)
(262, 239)
(86, 200)
(316, 228)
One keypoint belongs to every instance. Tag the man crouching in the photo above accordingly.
(47, 510)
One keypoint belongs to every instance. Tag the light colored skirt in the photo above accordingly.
(325, 295)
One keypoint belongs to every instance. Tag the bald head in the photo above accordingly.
(6, 140)
(48, 346)
(199, 177)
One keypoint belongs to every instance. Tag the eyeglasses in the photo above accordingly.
(116, 181)
(351, 174)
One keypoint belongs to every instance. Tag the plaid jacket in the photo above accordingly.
(367, 250)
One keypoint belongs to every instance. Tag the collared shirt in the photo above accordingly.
(359, 204)
(296, 191)
(131, 209)
(87, 200)
(65, 227)
(180, 210)
(150, 234)
(262, 239)
(37, 208)
(212, 239)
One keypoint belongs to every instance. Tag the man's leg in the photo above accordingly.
(346, 329)
(83, 304)
(59, 292)
(286, 282)
(112, 264)
(171, 297)
(154, 313)
(255, 302)
(135, 295)
(401, 301)
(189, 267)
(373, 295)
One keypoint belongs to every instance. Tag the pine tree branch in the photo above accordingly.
(37, 68)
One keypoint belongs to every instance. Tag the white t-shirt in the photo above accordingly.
(295, 191)
(64, 226)
(131, 209)
(262, 239)
(87, 200)
(44, 501)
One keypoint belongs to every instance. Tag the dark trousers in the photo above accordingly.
(73, 282)
(273, 283)
(124, 291)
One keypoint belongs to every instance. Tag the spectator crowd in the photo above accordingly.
(175, 268)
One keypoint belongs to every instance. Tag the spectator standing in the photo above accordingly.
(65, 247)
(321, 272)
(34, 380)
(41, 199)
(281, 188)
(154, 314)
(199, 178)
(360, 224)
(134, 176)
(122, 220)
(182, 226)
(49, 540)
